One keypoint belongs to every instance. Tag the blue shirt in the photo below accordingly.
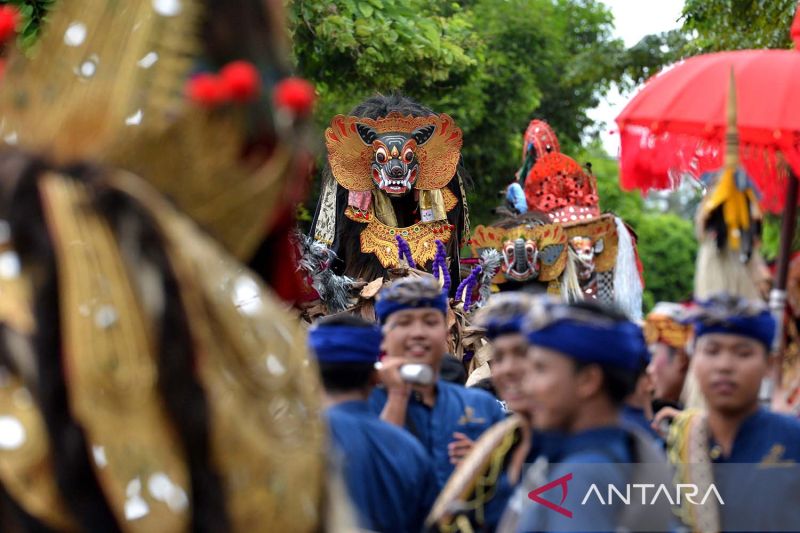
(760, 480)
(516, 197)
(595, 448)
(542, 444)
(457, 409)
(635, 416)
(388, 475)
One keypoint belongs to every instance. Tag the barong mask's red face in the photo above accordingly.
(417, 335)
(729, 369)
(395, 166)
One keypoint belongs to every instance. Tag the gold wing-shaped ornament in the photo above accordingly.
(488, 237)
(551, 240)
(438, 158)
(349, 157)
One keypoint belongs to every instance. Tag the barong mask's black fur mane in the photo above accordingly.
(347, 245)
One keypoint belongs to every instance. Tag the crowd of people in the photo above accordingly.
(173, 359)
(578, 385)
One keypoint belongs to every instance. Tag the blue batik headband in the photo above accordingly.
(755, 323)
(386, 306)
(588, 338)
(497, 327)
(345, 344)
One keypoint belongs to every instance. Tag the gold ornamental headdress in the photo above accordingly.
(666, 324)
(356, 146)
(106, 83)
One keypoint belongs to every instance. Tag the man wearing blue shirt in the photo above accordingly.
(586, 360)
(388, 474)
(750, 453)
(444, 417)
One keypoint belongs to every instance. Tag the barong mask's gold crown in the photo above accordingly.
(106, 84)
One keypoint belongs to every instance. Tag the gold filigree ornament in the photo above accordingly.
(379, 239)
(662, 328)
(26, 467)
(111, 367)
(266, 431)
(351, 159)
(106, 83)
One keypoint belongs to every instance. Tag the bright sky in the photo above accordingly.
(633, 19)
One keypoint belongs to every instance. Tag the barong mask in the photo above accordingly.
(538, 252)
(394, 154)
(521, 259)
(586, 249)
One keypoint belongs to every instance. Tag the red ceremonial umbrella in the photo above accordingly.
(676, 125)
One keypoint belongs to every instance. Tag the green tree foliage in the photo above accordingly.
(493, 65)
(33, 15)
(666, 243)
(667, 249)
(717, 25)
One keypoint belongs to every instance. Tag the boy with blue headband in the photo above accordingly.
(586, 360)
(476, 495)
(446, 418)
(746, 450)
(388, 474)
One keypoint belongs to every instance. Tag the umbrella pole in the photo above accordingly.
(777, 297)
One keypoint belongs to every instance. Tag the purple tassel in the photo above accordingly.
(404, 251)
(440, 262)
(469, 285)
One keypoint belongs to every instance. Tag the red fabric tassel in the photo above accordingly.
(241, 81)
(9, 19)
(207, 90)
(295, 94)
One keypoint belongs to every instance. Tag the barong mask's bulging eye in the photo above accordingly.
(380, 155)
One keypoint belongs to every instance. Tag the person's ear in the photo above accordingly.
(589, 382)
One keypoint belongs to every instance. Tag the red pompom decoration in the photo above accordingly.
(241, 81)
(207, 90)
(9, 18)
(295, 94)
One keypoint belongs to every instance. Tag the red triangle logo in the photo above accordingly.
(560, 482)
